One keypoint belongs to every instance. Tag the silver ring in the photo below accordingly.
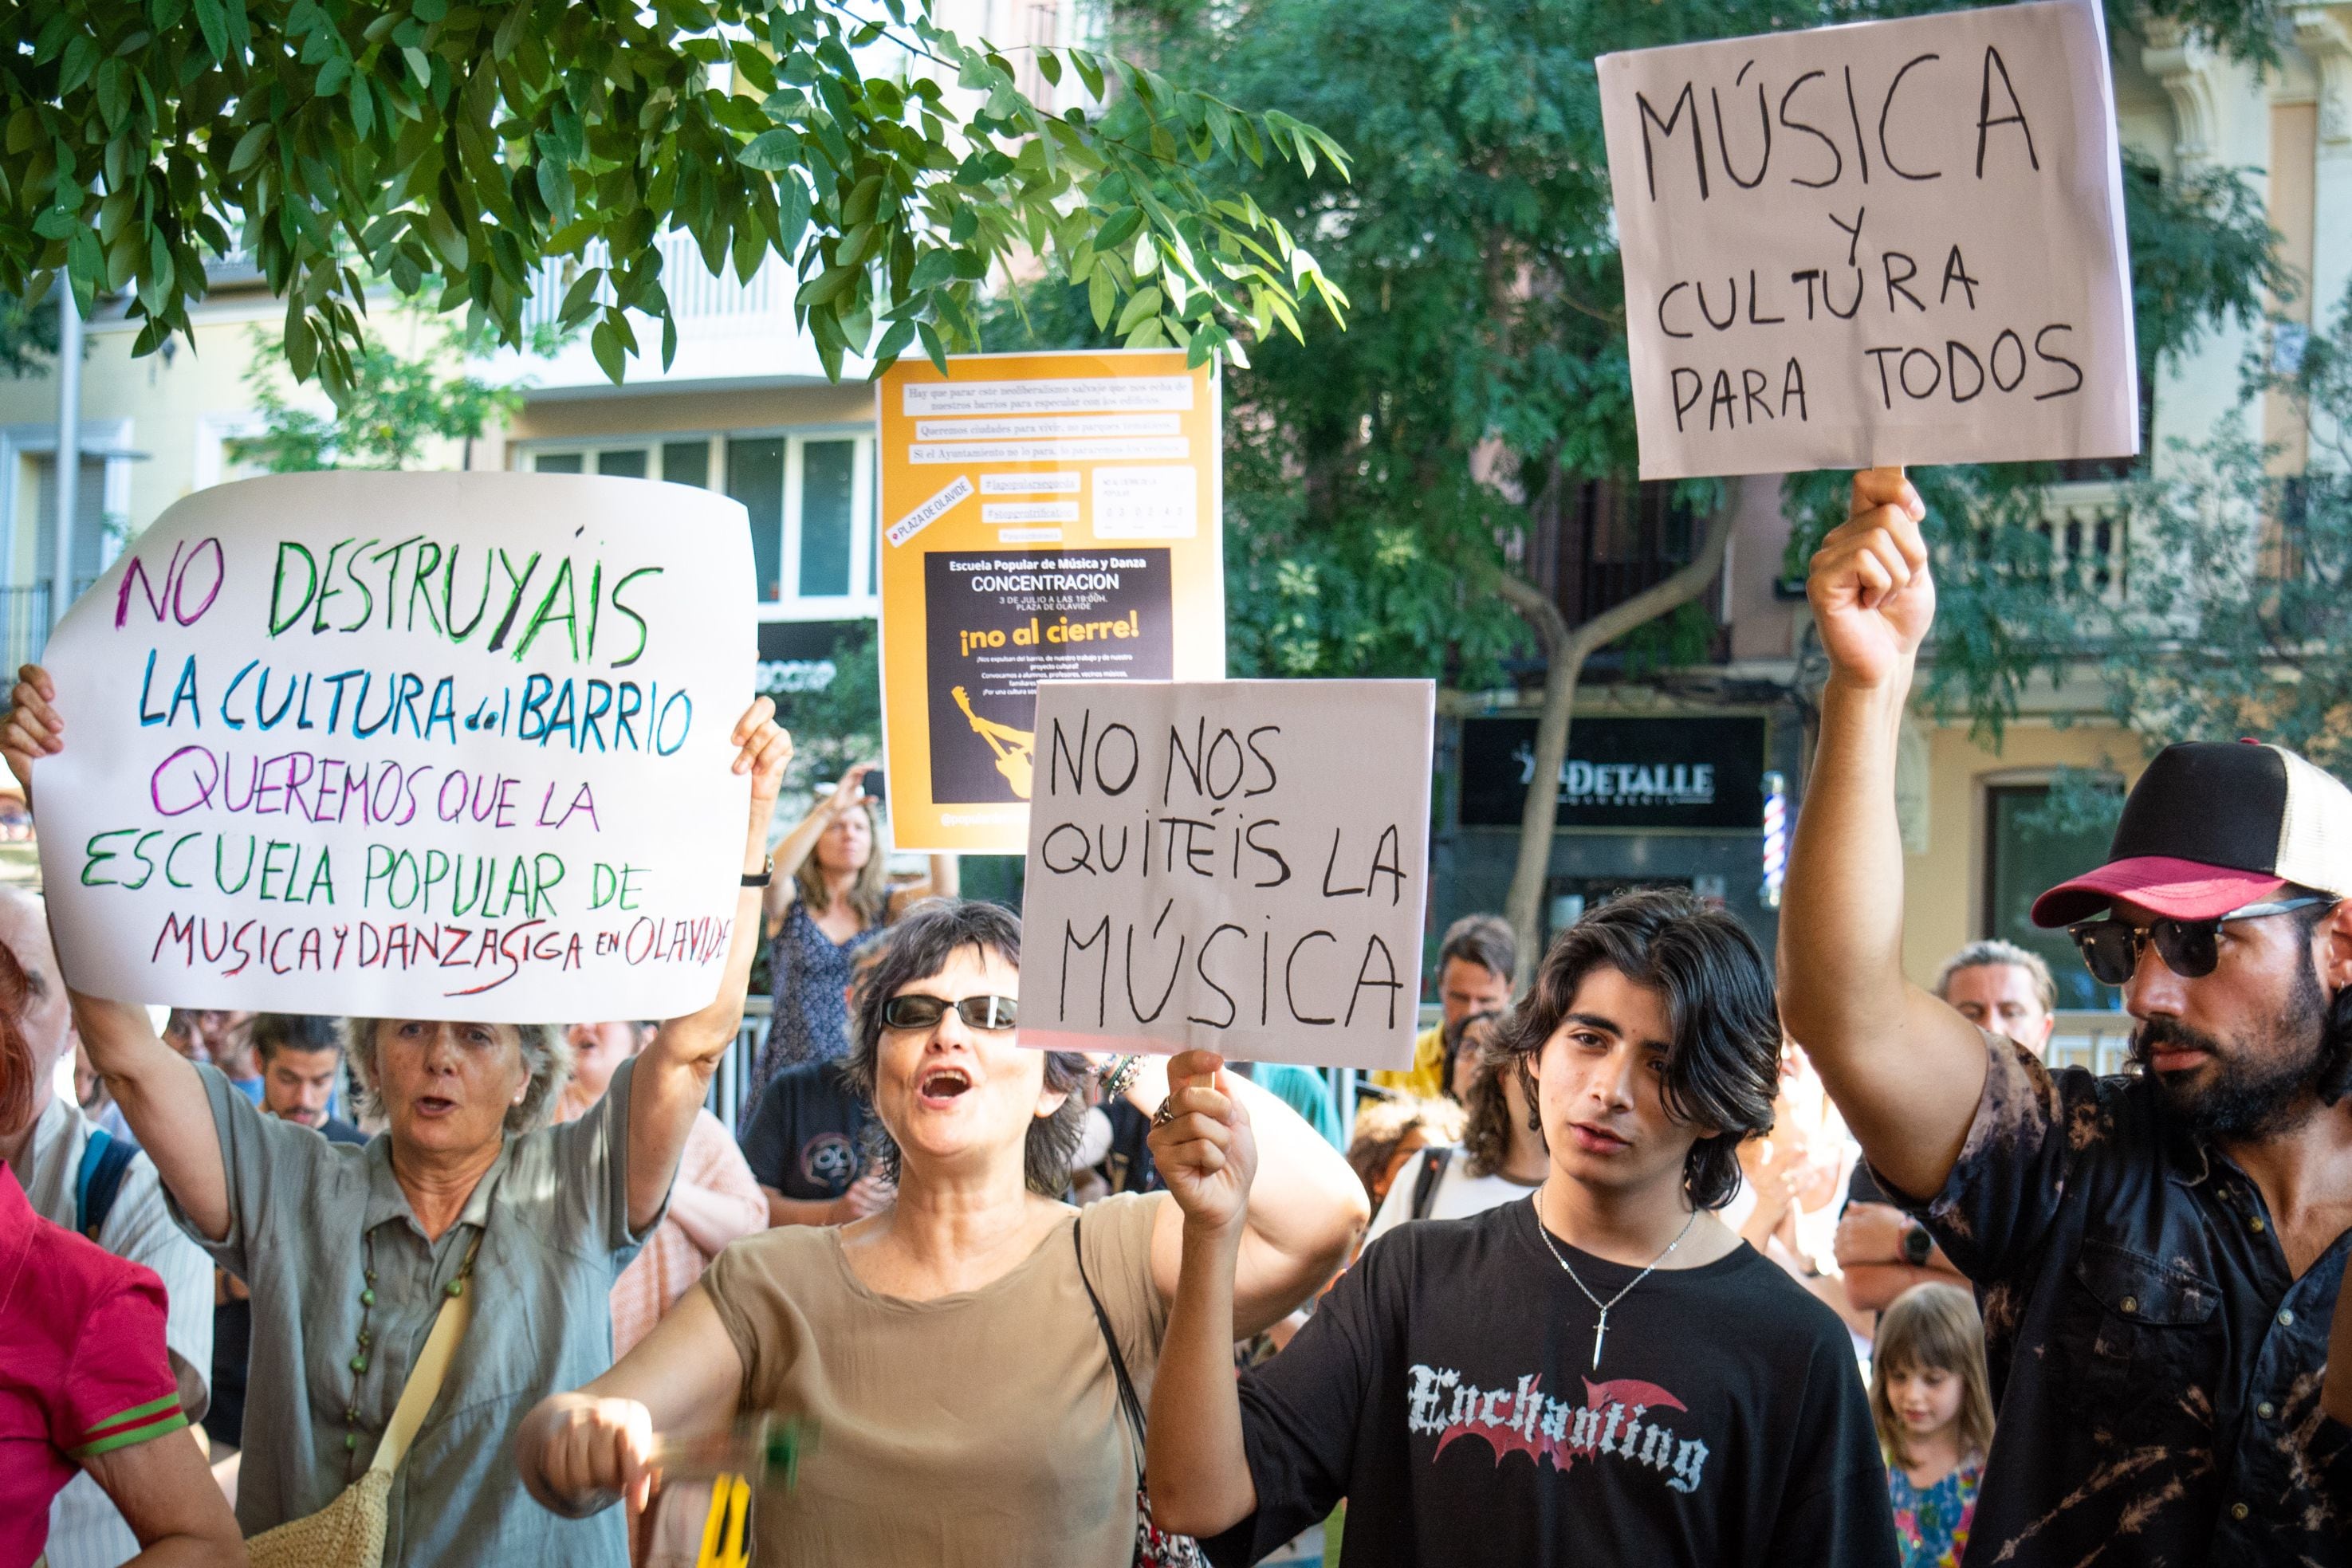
(1166, 1113)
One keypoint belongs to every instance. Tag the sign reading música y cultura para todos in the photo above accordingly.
(1882, 243)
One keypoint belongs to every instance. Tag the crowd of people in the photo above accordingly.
(1669, 1257)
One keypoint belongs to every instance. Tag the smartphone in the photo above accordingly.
(873, 784)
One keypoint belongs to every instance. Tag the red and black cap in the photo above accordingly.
(2212, 827)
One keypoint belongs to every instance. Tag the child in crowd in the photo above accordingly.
(1929, 1396)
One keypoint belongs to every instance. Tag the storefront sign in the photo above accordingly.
(1887, 242)
(444, 745)
(1237, 866)
(1680, 772)
(1044, 517)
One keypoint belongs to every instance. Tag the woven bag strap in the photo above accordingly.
(423, 1384)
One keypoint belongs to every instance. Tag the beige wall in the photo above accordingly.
(650, 412)
(1944, 887)
(179, 406)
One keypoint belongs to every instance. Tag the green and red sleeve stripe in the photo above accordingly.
(136, 1425)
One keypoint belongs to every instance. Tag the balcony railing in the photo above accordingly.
(694, 294)
(24, 625)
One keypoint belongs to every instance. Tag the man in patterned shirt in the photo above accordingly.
(2157, 1255)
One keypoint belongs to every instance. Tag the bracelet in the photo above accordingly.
(1120, 1075)
(761, 877)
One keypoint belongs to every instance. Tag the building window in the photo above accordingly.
(810, 495)
(2026, 853)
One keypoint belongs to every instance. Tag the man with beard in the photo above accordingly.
(2158, 1254)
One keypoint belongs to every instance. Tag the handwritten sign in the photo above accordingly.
(1889, 242)
(1241, 866)
(1044, 517)
(424, 745)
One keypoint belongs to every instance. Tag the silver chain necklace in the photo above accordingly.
(1535, 1200)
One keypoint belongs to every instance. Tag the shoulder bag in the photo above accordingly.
(349, 1531)
(1154, 1547)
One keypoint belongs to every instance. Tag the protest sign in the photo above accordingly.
(1239, 865)
(1882, 243)
(417, 744)
(1044, 517)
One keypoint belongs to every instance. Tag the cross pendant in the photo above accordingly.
(1599, 1333)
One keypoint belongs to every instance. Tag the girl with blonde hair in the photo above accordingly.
(1933, 1405)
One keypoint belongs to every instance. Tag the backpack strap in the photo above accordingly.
(104, 1160)
(1126, 1399)
(1434, 1161)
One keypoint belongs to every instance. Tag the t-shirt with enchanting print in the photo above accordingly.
(1445, 1388)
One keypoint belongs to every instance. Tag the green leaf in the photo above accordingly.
(333, 76)
(771, 149)
(933, 350)
(606, 346)
(1100, 296)
(1089, 72)
(1145, 304)
(933, 268)
(1118, 229)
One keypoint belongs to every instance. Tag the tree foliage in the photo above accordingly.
(2240, 618)
(393, 407)
(451, 147)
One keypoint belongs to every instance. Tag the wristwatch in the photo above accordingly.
(761, 877)
(1916, 1243)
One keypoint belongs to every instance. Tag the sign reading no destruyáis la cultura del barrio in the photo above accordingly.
(417, 744)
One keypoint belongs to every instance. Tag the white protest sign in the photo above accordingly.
(1888, 242)
(416, 745)
(1238, 866)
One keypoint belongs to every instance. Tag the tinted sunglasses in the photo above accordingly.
(2111, 947)
(925, 1013)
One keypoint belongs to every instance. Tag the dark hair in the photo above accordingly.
(274, 1032)
(921, 943)
(1485, 940)
(1487, 1136)
(1450, 1041)
(18, 1079)
(1724, 1063)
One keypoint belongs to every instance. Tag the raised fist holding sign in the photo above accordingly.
(1872, 595)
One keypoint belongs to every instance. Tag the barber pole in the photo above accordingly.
(1776, 837)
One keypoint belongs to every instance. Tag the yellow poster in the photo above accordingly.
(1044, 517)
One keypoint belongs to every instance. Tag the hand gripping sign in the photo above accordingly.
(1890, 241)
(1239, 865)
(439, 744)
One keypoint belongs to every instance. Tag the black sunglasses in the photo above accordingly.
(2111, 947)
(925, 1013)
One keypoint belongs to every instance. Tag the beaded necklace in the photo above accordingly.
(359, 1361)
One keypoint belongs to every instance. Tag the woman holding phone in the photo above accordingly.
(830, 896)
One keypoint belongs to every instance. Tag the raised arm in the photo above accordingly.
(673, 1074)
(1904, 1069)
(794, 848)
(161, 1095)
(1302, 1217)
(1206, 1152)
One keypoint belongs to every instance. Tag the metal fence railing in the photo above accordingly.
(2098, 1040)
(24, 625)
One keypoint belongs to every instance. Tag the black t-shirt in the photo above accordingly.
(1727, 1426)
(807, 1139)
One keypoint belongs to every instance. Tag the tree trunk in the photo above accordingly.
(1565, 651)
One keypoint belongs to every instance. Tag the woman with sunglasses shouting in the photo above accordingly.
(958, 1355)
(2159, 1253)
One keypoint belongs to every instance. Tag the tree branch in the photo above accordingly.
(1565, 652)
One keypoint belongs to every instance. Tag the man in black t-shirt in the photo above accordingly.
(1605, 1374)
(806, 1144)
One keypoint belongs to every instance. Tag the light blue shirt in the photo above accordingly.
(552, 1213)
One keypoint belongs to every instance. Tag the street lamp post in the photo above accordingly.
(68, 446)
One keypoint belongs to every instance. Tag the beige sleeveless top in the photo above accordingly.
(979, 1428)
